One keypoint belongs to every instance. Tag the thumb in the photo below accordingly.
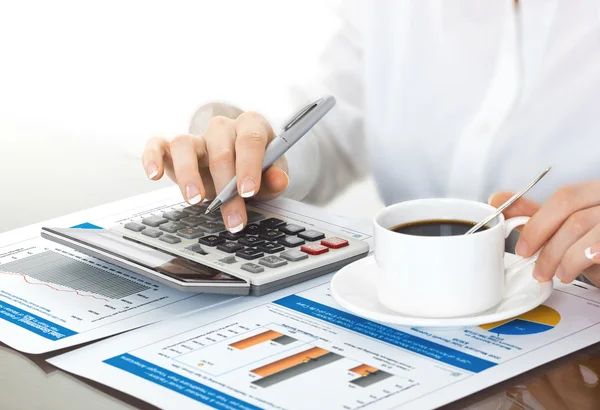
(275, 180)
(521, 207)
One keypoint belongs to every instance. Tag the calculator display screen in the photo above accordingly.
(118, 249)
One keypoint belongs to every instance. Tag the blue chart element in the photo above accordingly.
(520, 327)
(87, 225)
(179, 384)
(33, 323)
(386, 334)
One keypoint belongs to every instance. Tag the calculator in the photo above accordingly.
(185, 248)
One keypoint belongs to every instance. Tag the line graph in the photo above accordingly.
(51, 287)
(55, 269)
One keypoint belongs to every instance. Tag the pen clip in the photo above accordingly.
(301, 114)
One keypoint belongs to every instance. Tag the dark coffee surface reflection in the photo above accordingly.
(436, 227)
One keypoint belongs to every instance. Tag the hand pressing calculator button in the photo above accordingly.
(314, 249)
(232, 236)
(196, 253)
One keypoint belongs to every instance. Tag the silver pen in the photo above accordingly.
(294, 129)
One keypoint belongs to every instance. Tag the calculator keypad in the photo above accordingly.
(267, 243)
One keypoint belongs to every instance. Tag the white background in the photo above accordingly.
(84, 84)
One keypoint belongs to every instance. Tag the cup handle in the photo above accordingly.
(509, 226)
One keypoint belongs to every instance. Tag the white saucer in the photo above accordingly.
(354, 288)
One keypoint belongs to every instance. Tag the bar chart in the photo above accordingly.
(249, 347)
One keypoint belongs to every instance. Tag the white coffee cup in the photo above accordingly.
(445, 276)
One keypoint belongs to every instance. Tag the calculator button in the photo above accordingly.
(291, 241)
(213, 217)
(192, 221)
(196, 248)
(212, 227)
(272, 261)
(174, 215)
(293, 255)
(132, 226)
(311, 235)
(195, 210)
(154, 221)
(249, 253)
(190, 233)
(230, 247)
(254, 216)
(314, 249)
(272, 223)
(232, 236)
(270, 247)
(170, 239)
(228, 259)
(171, 227)
(253, 229)
(253, 267)
(292, 229)
(334, 242)
(211, 240)
(271, 235)
(251, 241)
(153, 233)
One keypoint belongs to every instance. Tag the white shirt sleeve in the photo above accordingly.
(334, 154)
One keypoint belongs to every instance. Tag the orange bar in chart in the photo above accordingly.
(364, 370)
(257, 339)
(290, 361)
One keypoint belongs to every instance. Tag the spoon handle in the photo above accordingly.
(508, 203)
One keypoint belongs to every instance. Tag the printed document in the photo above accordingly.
(298, 349)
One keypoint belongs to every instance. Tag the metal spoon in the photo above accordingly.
(508, 203)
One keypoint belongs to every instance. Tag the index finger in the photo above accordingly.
(544, 223)
(253, 133)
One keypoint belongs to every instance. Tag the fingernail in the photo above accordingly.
(152, 170)
(521, 249)
(288, 179)
(537, 273)
(248, 187)
(193, 194)
(234, 222)
(560, 273)
(593, 252)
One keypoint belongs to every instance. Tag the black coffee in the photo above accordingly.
(436, 227)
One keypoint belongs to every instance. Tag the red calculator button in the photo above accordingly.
(314, 249)
(334, 242)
